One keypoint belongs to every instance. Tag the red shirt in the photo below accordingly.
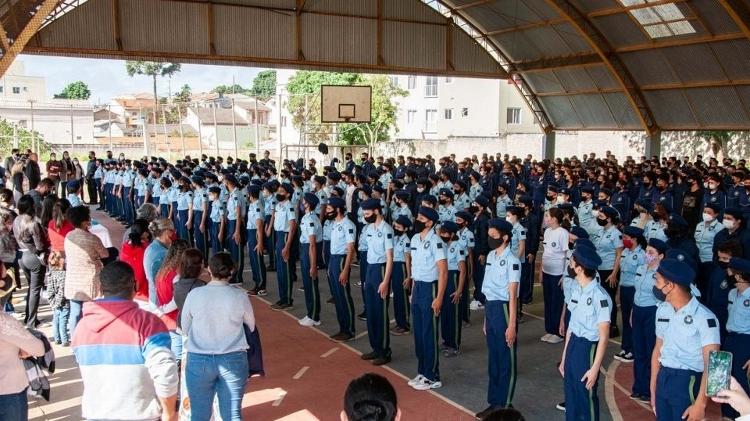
(133, 255)
(165, 294)
(57, 236)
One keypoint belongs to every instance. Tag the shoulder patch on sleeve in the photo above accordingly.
(351, 230)
(312, 224)
(439, 245)
(523, 232)
(407, 245)
(711, 322)
(604, 303)
(515, 266)
(389, 236)
(663, 320)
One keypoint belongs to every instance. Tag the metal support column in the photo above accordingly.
(548, 146)
(653, 144)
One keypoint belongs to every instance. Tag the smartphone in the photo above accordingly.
(719, 372)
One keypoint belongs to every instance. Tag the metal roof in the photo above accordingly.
(580, 64)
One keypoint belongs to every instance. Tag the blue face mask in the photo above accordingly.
(659, 294)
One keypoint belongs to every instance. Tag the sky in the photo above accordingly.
(107, 78)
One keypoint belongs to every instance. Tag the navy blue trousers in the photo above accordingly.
(283, 270)
(425, 329)
(377, 311)
(676, 390)
(183, 231)
(312, 292)
(256, 260)
(270, 243)
(553, 303)
(501, 361)
(644, 340)
(450, 317)
(478, 279)
(341, 294)
(400, 295)
(164, 210)
(626, 305)
(739, 345)
(580, 403)
(363, 276)
(128, 205)
(213, 235)
(235, 250)
(198, 236)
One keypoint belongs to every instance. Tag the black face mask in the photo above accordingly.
(494, 242)
(446, 238)
(370, 219)
(571, 272)
(398, 232)
(550, 197)
(443, 201)
(330, 216)
(601, 222)
(501, 192)
(280, 197)
(723, 265)
(419, 226)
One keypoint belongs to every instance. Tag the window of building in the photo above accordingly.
(16, 90)
(464, 112)
(411, 115)
(1, 89)
(514, 116)
(283, 121)
(448, 113)
(430, 120)
(661, 20)
(25, 89)
(448, 79)
(394, 80)
(412, 82)
(430, 86)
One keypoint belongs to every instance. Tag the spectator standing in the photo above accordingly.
(84, 252)
(34, 244)
(132, 252)
(162, 231)
(8, 257)
(123, 353)
(17, 175)
(67, 172)
(78, 175)
(91, 166)
(58, 226)
(16, 343)
(32, 172)
(165, 278)
(53, 169)
(39, 192)
(57, 300)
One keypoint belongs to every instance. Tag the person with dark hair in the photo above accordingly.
(132, 252)
(370, 397)
(633, 256)
(39, 193)
(556, 240)
(212, 319)
(166, 308)
(84, 252)
(255, 233)
(719, 283)
(162, 232)
(504, 414)
(34, 244)
(58, 225)
(608, 242)
(342, 254)
(140, 378)
(189, 273)
(738, 326)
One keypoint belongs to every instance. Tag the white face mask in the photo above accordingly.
(420, 189)
(594, 213)
(728, 224)
(712, 186)
(707, 218)
(560, 199)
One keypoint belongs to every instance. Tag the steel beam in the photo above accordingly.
(26, 29)
(740, 14)
(552, 63)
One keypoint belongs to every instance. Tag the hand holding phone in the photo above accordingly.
(719, 372)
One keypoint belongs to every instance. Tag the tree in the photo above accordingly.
(384, 113)
(184, 95)
(25, 140)
(264, 85)
(229, 89)
(153, 69)
(75, 90)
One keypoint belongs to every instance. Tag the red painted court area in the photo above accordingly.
(307, 374)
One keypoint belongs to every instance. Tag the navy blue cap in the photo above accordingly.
(633, 231)
(287, 187)
(269, 186)
(606, 191)
(231, 179)
(646, 204)
(197, 180)
(735, 213)
(404, 221)
(214, 189)
(370, 204)
(609, 211)
(579, 232)
(402, 194)
(460, 183)
(713, 206)
(337, 202)
(500, 224)
(678, 220)
(430, 198)
(253, 188)
(320, 180)
(311, 199)
(378, 188)
(679, 254)
(449, 226)
(564, 190)
(466, 216)
(73, 185)
(658, 244)
(739, 264)
(428, 213)
(334, 176)
(482, 200)
(526, 200)
(587, 189)
(587, 257)
(584, 242)
(446, 192)
(676, 271)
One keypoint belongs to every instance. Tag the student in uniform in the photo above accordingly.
(633, 256)
(466, 240)
(586, 338)
(311, 233)
(502, 276)
(704, 235)
(556, 240)
(686, 332)
(400, 275)
(255, 230)
(503, 201)
(200, 215)
(608, 242)
(284, 223)
(514, 214)
(377, 286)
(738, 327)
(165, 205)
(234, 243)
(450, 317)
(429, 270)
(269, 204)
(217, 220)
(342, 255)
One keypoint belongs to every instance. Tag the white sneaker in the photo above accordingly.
(554, 339)
(415, 380)
(545, 338)
(475, 305)
(305, 321)
(427, 384)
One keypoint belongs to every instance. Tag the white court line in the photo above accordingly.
(361, 335)
(609, 391)
(329, 352)
(277, 402)
(300, 373)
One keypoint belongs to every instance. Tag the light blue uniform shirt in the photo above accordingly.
(466, 238)
(127, 178)
(233, 200)
(455, 255)
(607, 243)
(474, 191)
(402, 210)
(502, 205)
(143, 186)
(322, 201)
(173, 194)
(98, 173)
(254, 212)
(739, 311)
(499, 272)
(379, 241)
(218, 211)
(518, 234)
(327, 227)
(310, 225)
(269, 204)
(424, 256)
(570, 291)
(462, 201)
(184, 200)
(447, 213)
(401, 246)
(704, 239)
(592, 309)
(362, 241)
(586, 217)
(284, 214)
(156, 190)
(645, 280)
(199, 198)
(684, 334)
(629, 263)
(342, 234)
(74, 200)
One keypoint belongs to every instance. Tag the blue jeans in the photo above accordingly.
(60, 324)
(76, 312)
(14, 407)
(224, 375)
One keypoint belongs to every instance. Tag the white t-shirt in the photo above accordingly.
(555, 248)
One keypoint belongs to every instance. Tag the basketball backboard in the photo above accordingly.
(345, 104)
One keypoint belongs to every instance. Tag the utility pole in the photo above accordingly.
(72, 139)
(216, 129)
(278, 123)
(34, 145)
(109, 112)
(182, 135)
(200, 136)
(234, 133)
(146, 146)
(257, 129)
(166, 134)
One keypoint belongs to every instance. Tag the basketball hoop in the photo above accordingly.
(345, 104)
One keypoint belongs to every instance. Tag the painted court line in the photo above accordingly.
(329, 352)
(609, 391)
(300, 373)
(277, 402)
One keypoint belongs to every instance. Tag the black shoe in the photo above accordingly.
(362, 316)
(278, 306)
(381, 360)
(485, 412)
(369, 356)
(271, 269)
(342, 337)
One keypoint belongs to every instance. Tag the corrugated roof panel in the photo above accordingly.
(413, 45)
(623, 112)
(718, 107)
(670, 109)
(338, 39)
(620, 30)
(575, 79)
(561, 112)
(714, 16)
(164, 26)
(351, 7)
(411, 10)
(602, 77)
(548, 41)
(516, 46)
(543, 82)
(573, 39)
(649, 67)
(588, 6)
(515, 11)
(467, 55)
(84, 28)
(593, 111)
(694, 63)
(489, 19)
(542, 9)
(254, 33)
(282, 4)
(734, 57)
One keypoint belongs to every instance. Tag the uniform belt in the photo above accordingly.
(428, 282)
